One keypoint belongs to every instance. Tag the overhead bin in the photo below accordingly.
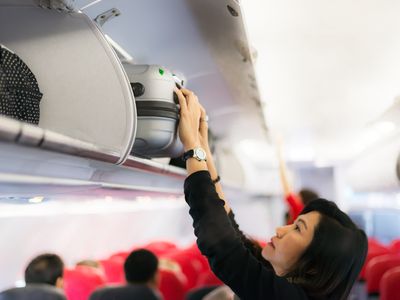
(378, 168)
(88, 105)
(86, 93)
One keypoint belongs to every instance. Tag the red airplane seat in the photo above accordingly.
(373, 251)
(81, 281)
(114, 270)
(189, 266)
(395, 246)
(172, 285)
(199, 259)
(375, 269)
(99, 271)
(208, 278)
(372, 242)
(161, 247)
(390, 285)
(120, 255)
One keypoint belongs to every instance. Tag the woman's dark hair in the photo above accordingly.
(45, 268)
(140, 266)
(332, 262)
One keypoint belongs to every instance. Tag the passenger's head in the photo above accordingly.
(89, 263)
(141, 267)
(220, 293)
(307, 195)
(45, 268)
(323, 251)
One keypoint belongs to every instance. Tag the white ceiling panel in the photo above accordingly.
(325, 68)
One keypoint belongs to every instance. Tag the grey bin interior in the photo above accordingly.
(86, 94)
(157, 112)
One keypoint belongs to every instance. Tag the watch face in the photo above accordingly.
(200, 153)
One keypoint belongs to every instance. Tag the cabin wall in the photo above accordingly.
(259, 217)
(86, 230)
(321, 180)
(97, 228)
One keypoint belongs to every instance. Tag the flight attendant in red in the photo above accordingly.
(294, 202)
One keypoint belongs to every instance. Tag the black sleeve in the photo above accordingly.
(229, 258)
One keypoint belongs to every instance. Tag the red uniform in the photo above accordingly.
(295, 207)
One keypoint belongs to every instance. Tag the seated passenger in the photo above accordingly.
(212, 293)
(221, 293)
(93, 264)
(319, 256)
(33, 292)
(46, 269)
(44, 280)
(89, 263)
(200, 293)
(141, 273)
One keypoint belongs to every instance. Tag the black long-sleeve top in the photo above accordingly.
(232, 257)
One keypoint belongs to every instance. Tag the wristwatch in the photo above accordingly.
(197, 153)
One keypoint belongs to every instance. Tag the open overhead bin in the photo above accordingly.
(88, 107)
(86, 94)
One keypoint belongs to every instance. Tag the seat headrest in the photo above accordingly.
(33, 292)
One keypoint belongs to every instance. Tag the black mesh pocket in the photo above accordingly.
(19, 92)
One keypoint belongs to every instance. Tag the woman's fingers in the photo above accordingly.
(187, 92)
(181, 99)
(192, 103)
(203, 112)
(203, 118)
(192, 100)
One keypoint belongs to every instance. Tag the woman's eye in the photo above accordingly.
(297, 228)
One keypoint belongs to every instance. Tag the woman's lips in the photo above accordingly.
(272, 243)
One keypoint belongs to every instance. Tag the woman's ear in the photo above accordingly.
(60, 283)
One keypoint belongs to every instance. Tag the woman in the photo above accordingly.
(295, 202)
(319, 256)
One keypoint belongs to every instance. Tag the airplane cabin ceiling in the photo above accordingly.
(325, 69)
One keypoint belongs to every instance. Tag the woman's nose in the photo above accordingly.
(281, 231)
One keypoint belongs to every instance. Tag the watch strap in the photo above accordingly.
(187, 155)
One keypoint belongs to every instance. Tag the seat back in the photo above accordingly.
(208, 278)
(33, 292)
(126, 292)
(373, 251)
(86, 93)
(81, 281)
(172, 285)
(389, 285)
(190, 267)
(160, 247)
(199, 258)
(395, 246)
(121, 255)
(375, 269)
(114, 269)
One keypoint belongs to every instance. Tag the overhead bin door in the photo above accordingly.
(86, 94)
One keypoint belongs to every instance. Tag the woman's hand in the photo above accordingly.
(203, 130)
(189, 122)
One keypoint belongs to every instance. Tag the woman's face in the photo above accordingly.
(290, 242)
